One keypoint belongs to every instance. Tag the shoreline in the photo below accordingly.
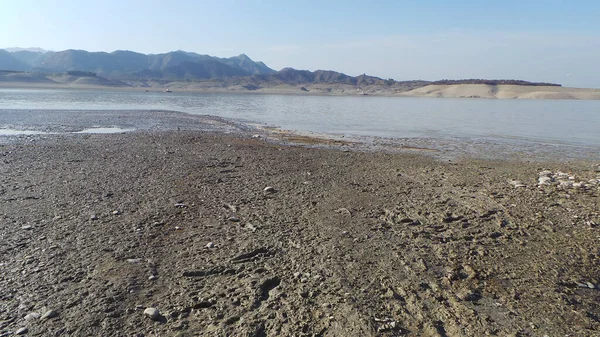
(462, 91)
(50, 123)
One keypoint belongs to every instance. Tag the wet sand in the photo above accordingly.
(347, 241)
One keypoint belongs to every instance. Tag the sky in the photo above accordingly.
(551, 40)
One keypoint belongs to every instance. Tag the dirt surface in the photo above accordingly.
(96, 229)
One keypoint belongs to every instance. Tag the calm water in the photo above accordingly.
(543, 121)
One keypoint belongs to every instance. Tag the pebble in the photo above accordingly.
(590, 285)
(32, 315)
(152, 313)
(517, 183)
(152, 277)
(134, 260)
(544, 180)
(26, 227)
(269, 189)
(93, 217)
(210, 245)
(49, 314)
(116, 212)
(21, 331)
(233, 219)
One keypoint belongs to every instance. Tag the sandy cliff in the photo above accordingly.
(502, 91)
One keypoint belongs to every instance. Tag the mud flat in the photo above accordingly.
(203, 233)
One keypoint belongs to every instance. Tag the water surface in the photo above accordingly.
(541, 121)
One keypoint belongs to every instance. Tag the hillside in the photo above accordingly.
(9, 62)
(188, 71)
(503, 91)
(124, 64)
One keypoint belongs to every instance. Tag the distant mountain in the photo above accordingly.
(209, 69)
(125, 67)
(294, 76)
(32, 49)
(9, 62)
(244, 62)
(32, 59)
(122, 64)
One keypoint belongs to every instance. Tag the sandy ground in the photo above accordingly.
(439, 91)
(95, 229)
(503, 91)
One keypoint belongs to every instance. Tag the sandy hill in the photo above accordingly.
(503, 91)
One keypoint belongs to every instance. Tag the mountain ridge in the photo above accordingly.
(133, 69)
(121, 64)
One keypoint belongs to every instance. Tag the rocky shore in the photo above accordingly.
(191, 233)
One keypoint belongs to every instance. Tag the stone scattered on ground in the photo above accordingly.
(49, 314)
(442, 249)
(152, 313)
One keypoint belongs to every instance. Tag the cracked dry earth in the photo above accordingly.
(99, 228)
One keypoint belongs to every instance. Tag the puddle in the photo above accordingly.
(104, 130)
(13, 132)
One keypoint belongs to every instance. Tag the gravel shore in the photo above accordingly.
(201, 233)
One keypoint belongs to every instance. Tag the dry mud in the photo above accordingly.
(98, 228)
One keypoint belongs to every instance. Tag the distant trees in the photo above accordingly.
(81, 73)
(496, 82)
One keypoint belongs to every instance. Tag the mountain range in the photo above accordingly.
(122, 64)
(128, 68)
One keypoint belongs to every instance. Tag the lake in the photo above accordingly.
(566, 122)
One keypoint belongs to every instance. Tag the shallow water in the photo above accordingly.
(565, 122)
(100, 130)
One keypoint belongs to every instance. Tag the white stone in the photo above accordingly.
(21, 331)
(152, 313)
(49, 314)
(544, 180)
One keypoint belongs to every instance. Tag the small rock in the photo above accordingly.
(26, 227)
(545, 173)
(21, 331)
(590, 285)
(116, 212)
(32, 316)
(152, 313)
(517, 183)
(344, 211)
(210, 245)
(566, 183)
(93, 217)
(134, 260)
(152, 277)
(269, 189)
(544, 180)
(181, 205)
(49, 314)
(233, 219)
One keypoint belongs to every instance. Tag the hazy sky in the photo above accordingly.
(537, 40)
